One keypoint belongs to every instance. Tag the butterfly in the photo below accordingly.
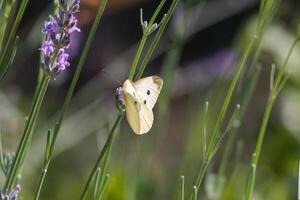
(138, 99)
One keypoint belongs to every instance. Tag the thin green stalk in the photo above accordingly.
(41, 182)
(137, 56)
(246, 97)
(107, 145)
(105, 163)
(146, 32)
(195, 193)
(298, 178)
(103, 188)
(228, 99)
(210, 150)
(11, 37)
(70, 92)
(155, 40)
(271, 99)
(27, 134)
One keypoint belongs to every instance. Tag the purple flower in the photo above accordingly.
(58, 31)
(62, 61)
(13, 195)
(73, 25)
(47, 48)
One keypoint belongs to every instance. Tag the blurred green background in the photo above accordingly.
(196, 57)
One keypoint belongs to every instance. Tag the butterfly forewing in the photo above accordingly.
(148, 89)
(132, 112)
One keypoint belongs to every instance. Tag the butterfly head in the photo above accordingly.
(119, 99)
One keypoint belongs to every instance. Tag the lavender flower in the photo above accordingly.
(57, 32)
(13, 195)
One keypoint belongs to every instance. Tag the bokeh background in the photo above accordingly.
(197, 55)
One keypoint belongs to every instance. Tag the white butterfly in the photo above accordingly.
(139, 98)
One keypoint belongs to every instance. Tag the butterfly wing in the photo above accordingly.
(148, 89)
(139, 116)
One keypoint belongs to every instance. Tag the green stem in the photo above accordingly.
(104, 150)
(181, 194)
(271, 99)
(228, 98)
(137, 56)
(155, 40)
(245, 99)
(146, 33)
(11, 37)
(41, 182)
(27, 134)
(71, 91)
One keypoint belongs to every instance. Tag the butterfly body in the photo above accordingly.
(139, 99)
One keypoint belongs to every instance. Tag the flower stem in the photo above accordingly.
(71, 92)
(271, 99)
(41, 181)
(210, 150)
(27, 133)
(154, 43)
(146, 33)
(103, 152)
(137, 56)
